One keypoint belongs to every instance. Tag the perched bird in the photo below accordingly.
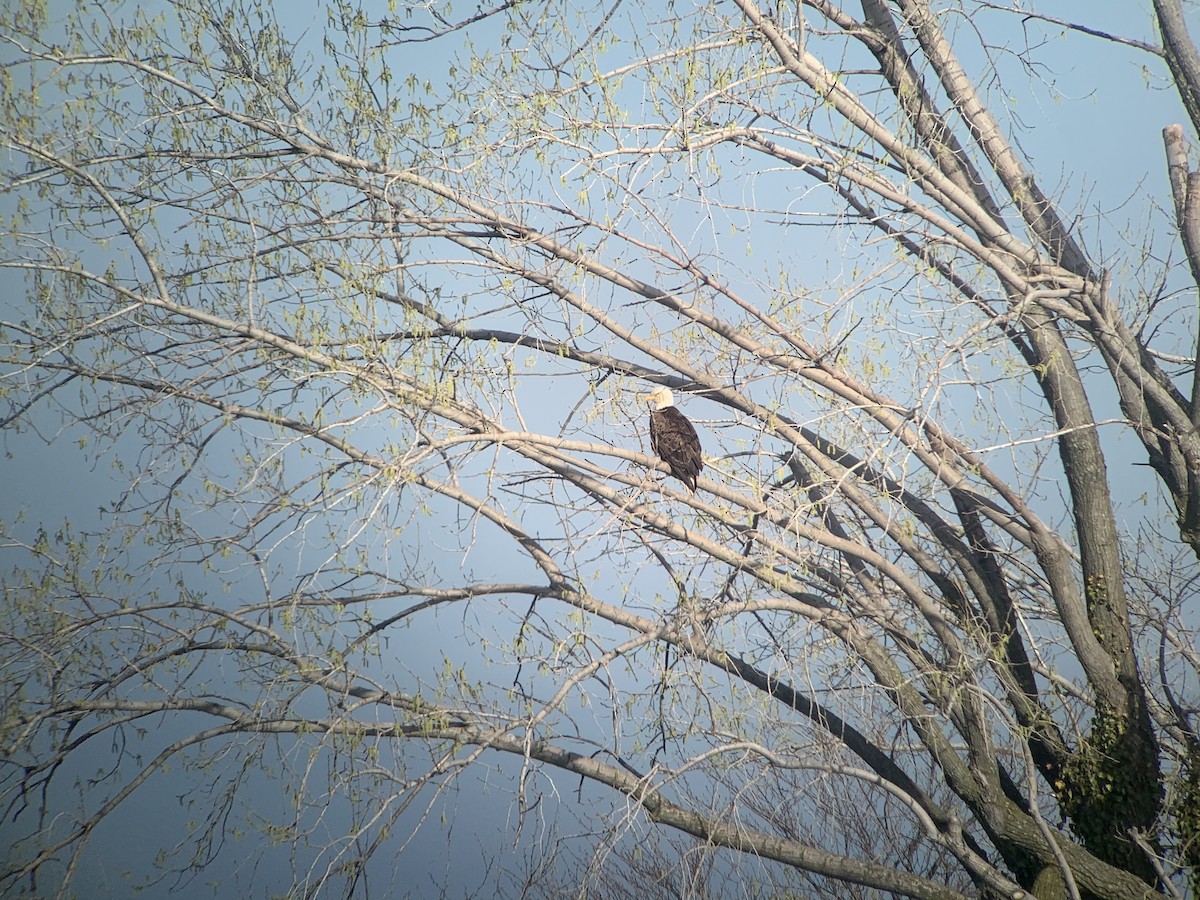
(674, 438)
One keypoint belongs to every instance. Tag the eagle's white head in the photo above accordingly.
(660, 398)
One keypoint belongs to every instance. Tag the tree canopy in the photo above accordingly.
(347, 317)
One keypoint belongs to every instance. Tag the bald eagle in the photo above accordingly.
(674, 438)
